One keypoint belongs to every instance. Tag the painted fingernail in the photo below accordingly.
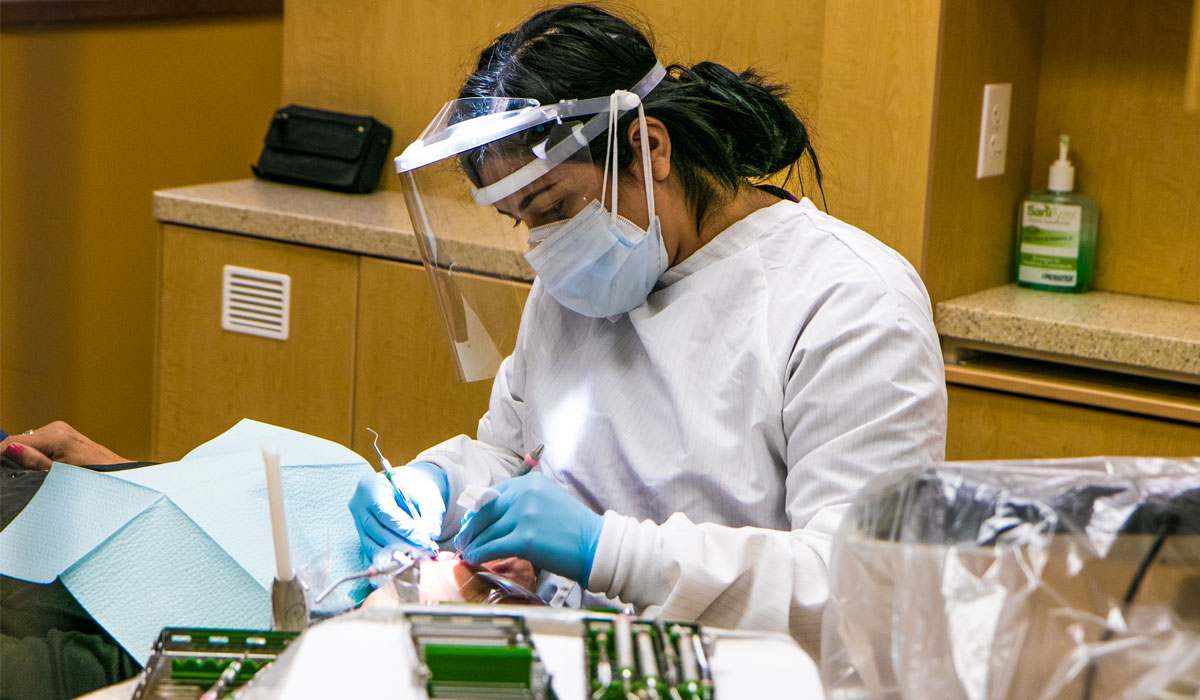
(15, 449)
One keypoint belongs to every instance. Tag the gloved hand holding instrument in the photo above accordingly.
(535, 519)
(405, 504)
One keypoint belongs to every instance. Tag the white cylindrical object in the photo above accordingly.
(283, 556)
(623, 627)
(646, 653)
(687, 658)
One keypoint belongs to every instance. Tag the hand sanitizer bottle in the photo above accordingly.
(1056, 233)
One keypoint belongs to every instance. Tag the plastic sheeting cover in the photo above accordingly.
(1035, 579)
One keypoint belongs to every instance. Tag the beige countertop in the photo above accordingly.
(1097, 328)
(374, 224)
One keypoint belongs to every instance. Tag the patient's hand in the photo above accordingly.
(475, 589)
(514, 569)
(56, 442)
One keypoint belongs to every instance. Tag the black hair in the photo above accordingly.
(725, 127)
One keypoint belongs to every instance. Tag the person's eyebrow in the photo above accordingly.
(526, 200)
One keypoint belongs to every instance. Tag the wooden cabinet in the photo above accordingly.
(406, 387)
(209, 378)
(365, 349)
(986, 424)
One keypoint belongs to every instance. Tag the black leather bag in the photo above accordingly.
(319, 148)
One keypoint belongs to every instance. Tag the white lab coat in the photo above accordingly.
(722, 426)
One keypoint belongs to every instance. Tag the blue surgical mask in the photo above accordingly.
(597, 263)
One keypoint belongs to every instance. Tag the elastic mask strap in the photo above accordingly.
(611, 157)
(610, 154)
(607, 155)
(647, 179)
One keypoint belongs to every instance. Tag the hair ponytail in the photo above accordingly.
(731, 126)
(725, 127)
(764, 135)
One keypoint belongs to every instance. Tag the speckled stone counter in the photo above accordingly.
(1097, 327)
(370, 224)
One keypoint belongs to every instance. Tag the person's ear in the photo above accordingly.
(660, 147)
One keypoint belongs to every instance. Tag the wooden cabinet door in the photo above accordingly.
(209, 378)
(987, 424)
(407, 388)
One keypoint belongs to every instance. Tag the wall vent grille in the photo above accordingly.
(255, 302)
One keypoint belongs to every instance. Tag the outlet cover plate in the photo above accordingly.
(993, 129)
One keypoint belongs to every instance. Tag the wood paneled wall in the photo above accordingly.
(969, 241)
(1112, 77)
(402, 60)
(861, 72)
(94, 117)
(875, 109)
(893, 92)
(1109, 74)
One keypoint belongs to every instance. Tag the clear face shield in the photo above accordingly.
(492, 178)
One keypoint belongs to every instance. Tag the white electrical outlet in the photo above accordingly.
(993, 129)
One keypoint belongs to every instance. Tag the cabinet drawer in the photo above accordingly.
(407, 388)
(208, 378)
(985, 424)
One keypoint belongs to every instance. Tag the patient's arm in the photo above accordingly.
(56, 442)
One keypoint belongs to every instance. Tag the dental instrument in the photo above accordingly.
(389, 472)
(397, 563)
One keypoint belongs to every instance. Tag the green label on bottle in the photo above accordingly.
(1050, 243)
(1047, 262)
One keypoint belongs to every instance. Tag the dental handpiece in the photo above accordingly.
(649, 666)
(395, 567)
(671, 673)
(223, 681)
(706, 679)
(604, 675)
(531, 460)
(623, 628)
(687, 657)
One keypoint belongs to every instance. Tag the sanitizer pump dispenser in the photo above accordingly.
(1056, 232)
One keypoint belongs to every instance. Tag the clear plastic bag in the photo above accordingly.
(1031, 580)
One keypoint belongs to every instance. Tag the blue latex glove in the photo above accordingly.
(535, 519)
(381, 517)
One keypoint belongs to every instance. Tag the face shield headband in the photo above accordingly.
(437, 144)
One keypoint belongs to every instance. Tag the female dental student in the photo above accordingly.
(713, 367)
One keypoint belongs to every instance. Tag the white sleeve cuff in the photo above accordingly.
(629, 562)
(739, 578)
